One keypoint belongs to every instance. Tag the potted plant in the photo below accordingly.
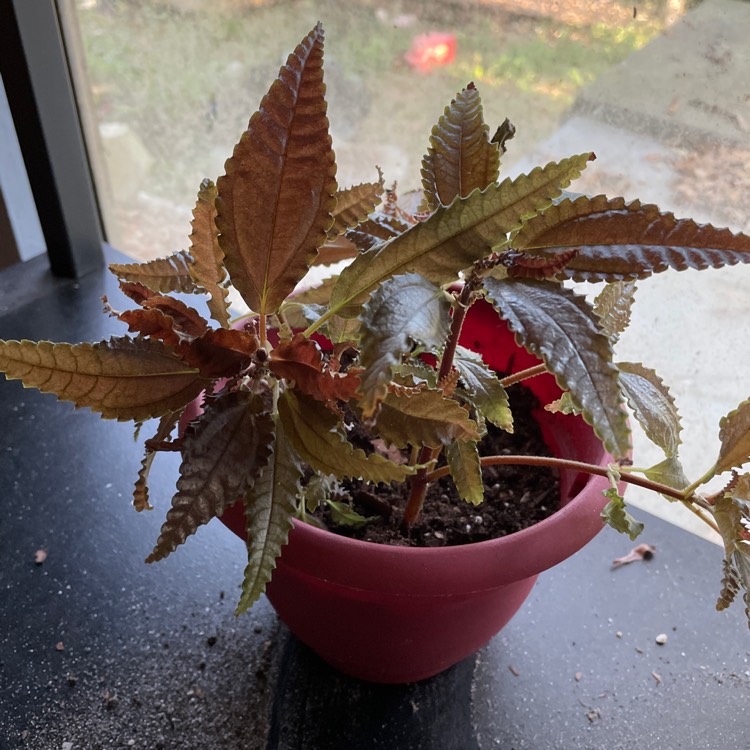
(353, 400)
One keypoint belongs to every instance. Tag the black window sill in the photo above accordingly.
(98, 649)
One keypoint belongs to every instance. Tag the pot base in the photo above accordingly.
(382, 638)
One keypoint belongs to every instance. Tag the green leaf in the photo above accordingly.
(270, 505)
(170, 274)
(316, 435)
(424, 418)
(652, 405)
(120, 379)
(206, 267)
(344, 514)
(276, 198)
(460, 158)
(563, 405)
(732, 515)
(354, 205)
(404, 310)
(560, 327)
(317, 490)
(463, 462)
(341, 329)
(484, 388)
(616, 240)
(140, 494)
(222, 457)
(417, 372)
(613, 305)
(669, 472)
(618, 518)
(457, 235)
(734, 434)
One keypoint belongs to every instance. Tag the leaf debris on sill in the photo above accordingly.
(641, 552)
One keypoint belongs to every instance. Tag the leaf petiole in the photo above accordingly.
(517, 377)
(688, 491)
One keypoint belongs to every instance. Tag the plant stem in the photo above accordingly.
(517, 377)
(565, 463)
(698, 512)
(419, 482)
(710, 474)
(602, 471)
(262, 330)
(318, 323)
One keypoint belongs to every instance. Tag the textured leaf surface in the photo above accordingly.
(376, 230)
(625, 241)
(220, 353)
(275, 200)
(461, 157)
(563, 405)
(139, 293)
(734, 434)
(652, 405)
(521, 265)
(463, 462)
(343, 513)
(140, 493)
(152, 323)
(732, 515)
(455, 236)
(186, 319)
(424, 418)
(404, 310)
(121, 378)
(164, 275)
(334, 251)
(354, 205)
(560, 327)
(484, 388)
(613, 305)
(316, 435)
(207, 267)
(270, 506)
(669, 472)
(618, 518)
(300, 360)
(222, 457)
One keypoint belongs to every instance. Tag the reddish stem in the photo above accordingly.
(419, 482)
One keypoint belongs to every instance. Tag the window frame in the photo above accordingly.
(36, 72)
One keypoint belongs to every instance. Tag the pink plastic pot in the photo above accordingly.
(395, 614)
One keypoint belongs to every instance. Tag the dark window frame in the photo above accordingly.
(36, 73)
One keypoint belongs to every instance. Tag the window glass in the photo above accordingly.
(659, 90)
(171, 83)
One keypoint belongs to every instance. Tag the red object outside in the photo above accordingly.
(401, 614)
(431, 50)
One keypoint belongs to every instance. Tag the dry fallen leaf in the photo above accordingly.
(641, 552)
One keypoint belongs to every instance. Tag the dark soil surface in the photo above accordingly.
(515, 496)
